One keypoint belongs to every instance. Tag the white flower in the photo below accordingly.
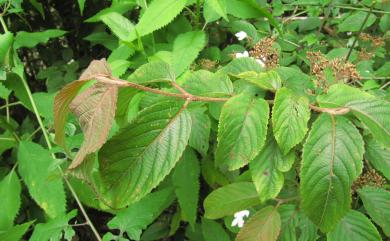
(349, 33)
(241, 35)
(239, 218)
(261, 62)
(243, 54)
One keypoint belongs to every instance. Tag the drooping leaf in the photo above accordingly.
(377, 203)
(55, 229)
(15, 233)
(136, 160)
(242, 131)
(229, 199)
(10, 189)
(156, 71)
(331, 161)
(213, 231)
(186, 48)
(378, 156)
(185, 178)
(69, 92)
(354, 226)
(30, 40)
(200, 130)
(95, 109)
(139, 215)
(290, 115)
(372, 111)
(217, 6)
(119, 25)
(263, 225)
(205, 83)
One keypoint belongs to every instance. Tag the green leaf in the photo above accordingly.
(81, 5)
(242, 9)
(205, 83)
(331, 161)
(119, 25)
(290, 115)
(265, 169)
(186, 48)
(6, 41)
(263, 225)
(372, 111)
(213, 231)
(242, 131)
(156, 71)
(158, 14)
(376, 202)
(200, 130)
(118, 7)
(229, 199)
(185, 178)
(10, 190)
(378, 156)
(353, 22)
(4, 92)
(289, 219)
(55, 229)
(354, 226)
(136, 160)
(139, 215)
(15, 233)
(44, 184)
(269, 80)
(241, 65)
(307, 228)
(30, 40)
(217, 6)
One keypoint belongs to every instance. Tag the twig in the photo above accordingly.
(332, 111)
(10, 104)
(385, 85)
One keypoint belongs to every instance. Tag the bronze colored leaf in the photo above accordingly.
(96, 67)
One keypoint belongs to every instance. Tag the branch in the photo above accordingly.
(332, 111)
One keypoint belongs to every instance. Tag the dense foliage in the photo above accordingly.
(200, 120)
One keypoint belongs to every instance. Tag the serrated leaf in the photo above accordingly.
(69, 92)
(185, 178)
(331, 161)
(289, 220)
(242, 131)
(156, 71)
(158, 14)
(4, 92)
(354, 226)
(217, 6)
(205, 83)
(307, 228)
(10, 190)
(378, 156)
(119, 25)
(213, 231)
(377, 203)
(229, 199)
(15, 233)
(290, 115)
(95, 109)
(269, 80)
(263, 225)
(136, 160)
(372, 111)
(186, 48)
(241, 65)
(200, 130)
(30, 40)
(139, 215)
(44, 184)
(55, 230)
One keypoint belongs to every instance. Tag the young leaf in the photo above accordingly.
(119, 25)
(35, 164)
(290, 115)
(213, 231)
(185, 178)
(378, 156)
(218, 6)
(229, 199)
(185, 50)
(136, 160)
(95, 109)
(30, 40)
(376, 202)
(139, 215)
(10, 189)
(331, 161)
(55, 229)
(242, 130)
(15, 233)
(264, 225)
(200, 131)
(205, 83)
(354, 226)
(69, 92)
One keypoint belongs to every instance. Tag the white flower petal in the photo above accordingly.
(261, 63)
(243, 54)
(241, 223)
(241, 35)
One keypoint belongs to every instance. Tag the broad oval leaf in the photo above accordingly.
(10, 189)
(213, 231)
(119, 25)
(354, 226)
(289, 221)
(200, 131)
(136, 160)
(205, 83)
(331, 161)
(156, 71)
(263, 226)
(290, 115)
(95, 109)
(229, 199)
(379, 156)
(377, 203)
(212, 7)
(242, 131)
(269, 80)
